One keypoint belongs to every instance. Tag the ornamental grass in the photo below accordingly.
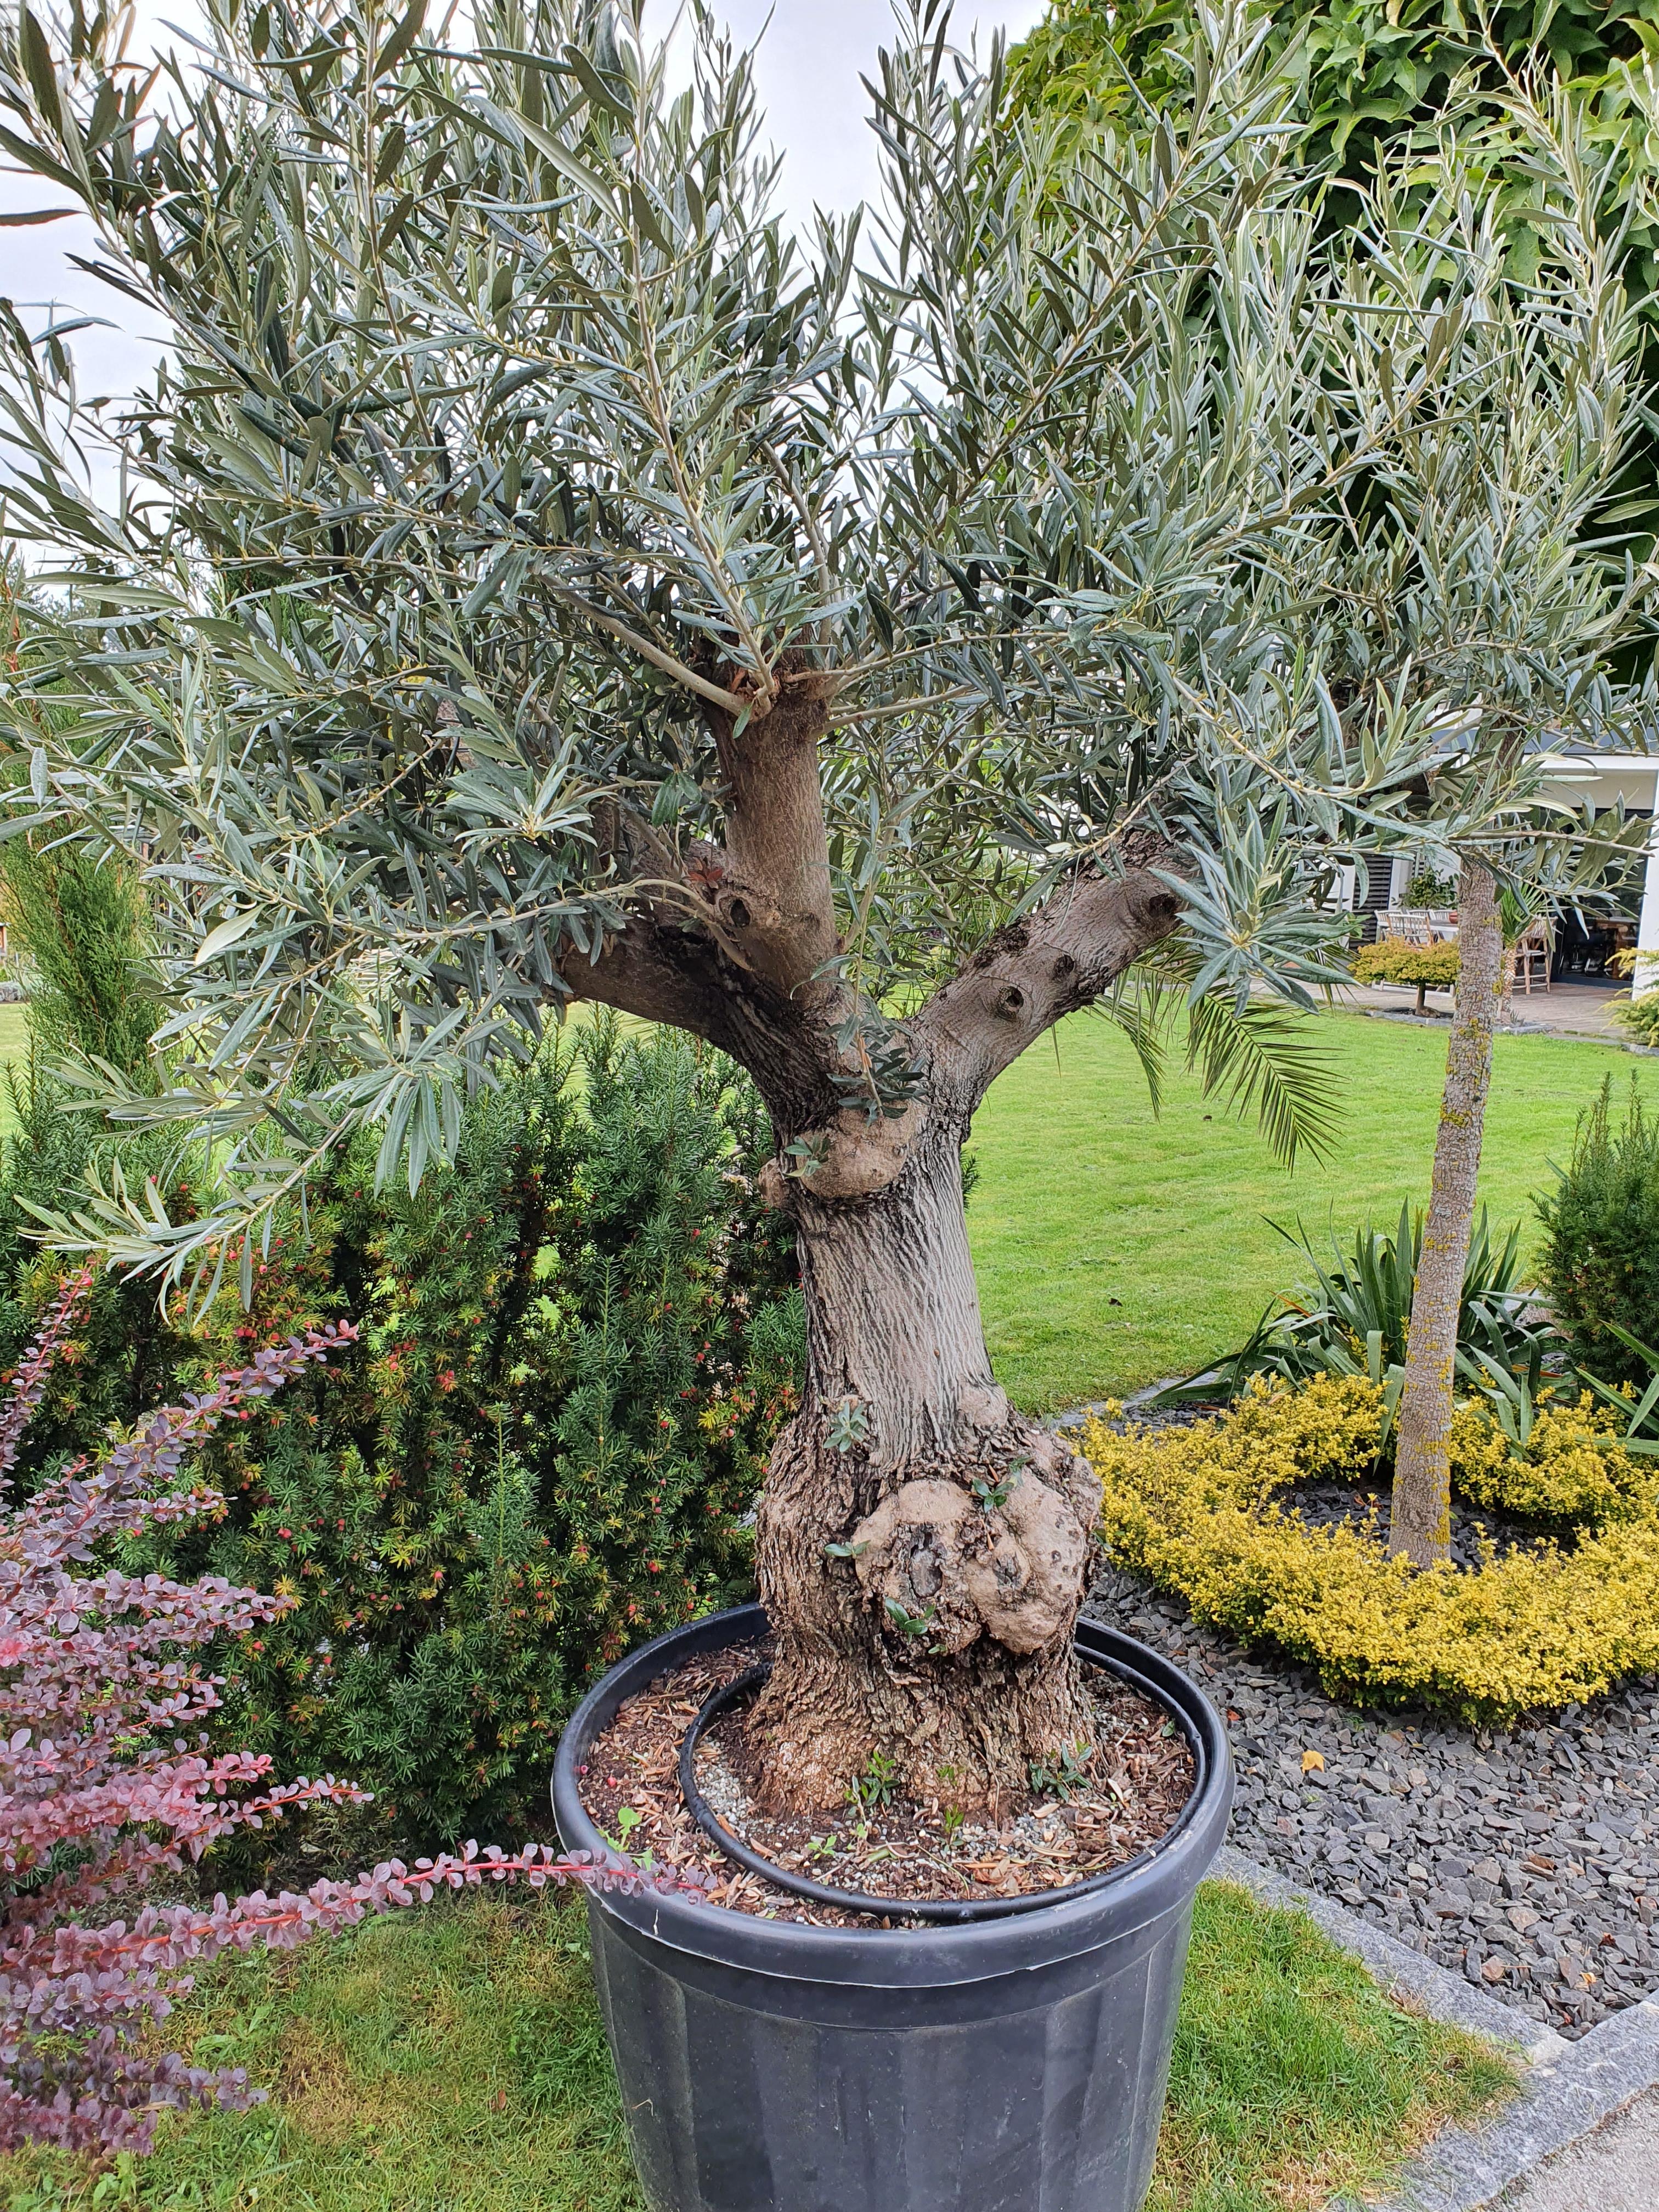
(1199, 1512)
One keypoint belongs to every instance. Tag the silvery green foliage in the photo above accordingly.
(510, 433)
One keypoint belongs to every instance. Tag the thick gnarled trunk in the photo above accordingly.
(923, 1548)
(1421, 1525)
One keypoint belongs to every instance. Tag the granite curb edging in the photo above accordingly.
(1562, 2102)
(1568, 2089)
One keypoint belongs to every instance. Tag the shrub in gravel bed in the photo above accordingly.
(1640, 1016)
(1419, 966)
(1600, 1262)
(1548, 1623)
(1568, 1472)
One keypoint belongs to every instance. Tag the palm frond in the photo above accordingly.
(1141, 1003)
(1258, 1056)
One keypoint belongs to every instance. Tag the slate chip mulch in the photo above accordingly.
(1477, 1532)
(1526, 1859)
(1136, 1782)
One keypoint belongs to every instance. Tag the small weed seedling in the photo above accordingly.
(627, 1820)
(876, 1785)
(912, 1624)
(991, 1494)
(954, 1819)
(1069, 1772)
(869, 1791)
(821, 1847)
(848, 1427)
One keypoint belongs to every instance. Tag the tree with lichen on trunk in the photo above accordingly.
(539, 578)
(1501, 516)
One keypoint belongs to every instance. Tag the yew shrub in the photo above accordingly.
(1599, 1266)
(539, 1449)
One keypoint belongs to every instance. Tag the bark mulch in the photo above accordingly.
(1130, 1793)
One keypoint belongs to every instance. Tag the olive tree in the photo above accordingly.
(1503, 509)
(1496, 517)
(535, 577)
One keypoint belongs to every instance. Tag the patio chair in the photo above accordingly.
(1530, 955)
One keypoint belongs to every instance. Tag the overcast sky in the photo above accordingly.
(812, 55)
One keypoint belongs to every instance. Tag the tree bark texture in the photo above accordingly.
(923, 1549)
(1421, 1520)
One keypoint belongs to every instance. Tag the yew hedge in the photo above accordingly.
(575, 1346)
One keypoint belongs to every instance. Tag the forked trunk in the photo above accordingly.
(923, 1548)
(1421, 1519)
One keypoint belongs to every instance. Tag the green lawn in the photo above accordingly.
(452, 2061)
(1115, 1247)
(14, 1046)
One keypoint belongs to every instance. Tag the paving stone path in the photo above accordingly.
(1614, 2170)
(1526, 1860)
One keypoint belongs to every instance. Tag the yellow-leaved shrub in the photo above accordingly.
(1195, 1509)
(1567, 1472)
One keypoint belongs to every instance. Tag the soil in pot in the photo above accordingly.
(1113, 1798)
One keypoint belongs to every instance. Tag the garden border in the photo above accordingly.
(1568, 2090)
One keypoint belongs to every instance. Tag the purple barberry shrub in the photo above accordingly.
(107, 1786)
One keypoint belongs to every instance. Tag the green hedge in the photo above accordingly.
(576, 1347)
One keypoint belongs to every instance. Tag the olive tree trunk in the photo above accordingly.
(1420, 1527)
(922, 1547)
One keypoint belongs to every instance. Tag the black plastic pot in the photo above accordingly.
(1011, 2065)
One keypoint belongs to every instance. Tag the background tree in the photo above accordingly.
(1372, 71)
(539, 577)
(78, 924)
(1500, 509)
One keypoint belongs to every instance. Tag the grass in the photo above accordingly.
(447, 2060)
(1114, 1246)
(451, 2060)
(1293, 2078)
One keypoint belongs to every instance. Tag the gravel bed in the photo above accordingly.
(1526, 1859)
(1475, 1533)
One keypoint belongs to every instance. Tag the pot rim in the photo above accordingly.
(1161, 1879)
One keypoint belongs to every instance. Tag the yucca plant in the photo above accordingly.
(1640, 1432)
(1354, 1315)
